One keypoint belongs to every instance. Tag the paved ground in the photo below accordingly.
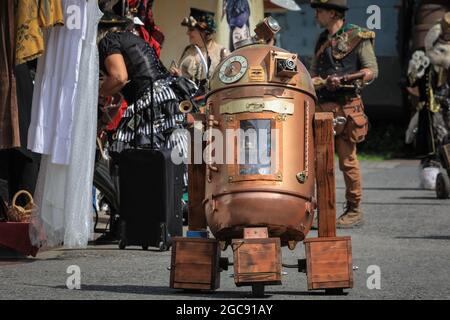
(406, 234)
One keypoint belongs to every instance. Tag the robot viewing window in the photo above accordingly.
(257, 151)
(255, 147)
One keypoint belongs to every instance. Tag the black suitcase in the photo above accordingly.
(151, 190)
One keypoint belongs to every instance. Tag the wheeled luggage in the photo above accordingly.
(151, 191)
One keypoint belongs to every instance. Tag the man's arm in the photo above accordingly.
(368, 60)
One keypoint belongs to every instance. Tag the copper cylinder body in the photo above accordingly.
(280, 197)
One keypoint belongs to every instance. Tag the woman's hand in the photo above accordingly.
(175, 72)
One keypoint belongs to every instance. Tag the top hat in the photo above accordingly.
(330, 4)
(200, 19)
(110, 20)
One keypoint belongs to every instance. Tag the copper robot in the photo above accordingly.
(262, 102)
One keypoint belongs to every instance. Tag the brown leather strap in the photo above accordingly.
(322, 48)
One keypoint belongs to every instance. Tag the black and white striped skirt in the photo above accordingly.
(167, 122)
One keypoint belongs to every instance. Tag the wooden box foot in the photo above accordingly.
(329, 263)
(257, 261)
(195, 264)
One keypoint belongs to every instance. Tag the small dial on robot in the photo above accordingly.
(233, 69)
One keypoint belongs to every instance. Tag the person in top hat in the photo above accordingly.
(429, 71)
(203, 52)
(344, 51)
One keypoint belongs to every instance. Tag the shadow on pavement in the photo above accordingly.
(14, 261)
(388, 189)
(102, 248)
(407, 203)
(426, 238)
(166, 291)
(419, 198)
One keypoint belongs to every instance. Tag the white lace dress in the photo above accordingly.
(80, 173)
(57, 80)
(64, 192)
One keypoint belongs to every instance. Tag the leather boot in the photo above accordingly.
(352, 217)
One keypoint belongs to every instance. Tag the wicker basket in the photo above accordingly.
(17, 213)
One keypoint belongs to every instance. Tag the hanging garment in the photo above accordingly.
(47, 226)
(19, 166)
(50, 13)
(64, 192)
(24, 84)
(31, 17)
(9, 119)
(55, 86)
(51, 124)
(29, 37)
(78, 206)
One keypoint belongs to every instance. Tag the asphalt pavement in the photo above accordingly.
(405, 239)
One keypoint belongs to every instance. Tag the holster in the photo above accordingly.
(352, 109)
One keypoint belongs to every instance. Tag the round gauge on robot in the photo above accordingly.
(233, 69)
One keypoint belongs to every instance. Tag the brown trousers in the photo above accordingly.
(348, 160)
(349, 165)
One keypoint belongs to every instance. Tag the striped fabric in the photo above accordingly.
(166, 119)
